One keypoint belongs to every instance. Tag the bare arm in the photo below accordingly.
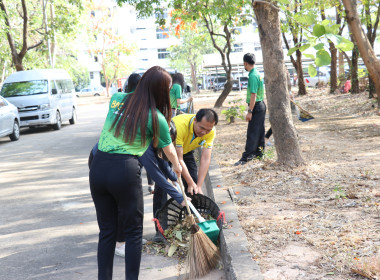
(252, 102)
(182, 101)
(191, 186)
(203, 168)
(171, 154)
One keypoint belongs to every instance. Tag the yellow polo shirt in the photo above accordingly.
(185, 134)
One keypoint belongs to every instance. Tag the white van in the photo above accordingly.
(42, 97)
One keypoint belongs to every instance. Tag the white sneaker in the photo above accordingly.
(120, 251)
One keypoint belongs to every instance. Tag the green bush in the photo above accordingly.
(235, 110)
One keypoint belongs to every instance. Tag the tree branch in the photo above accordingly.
(35, 46)
(24, 31)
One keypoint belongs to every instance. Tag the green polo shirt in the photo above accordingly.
(255, 85)
(116, 145)
(175, 93)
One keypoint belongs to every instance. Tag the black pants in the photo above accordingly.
(269, 133)
(191, 166)
(159, 199)
(116, 189)
(255, 143)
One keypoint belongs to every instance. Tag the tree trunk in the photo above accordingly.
(333, 73)
(194, 77)
(16, 57)
(365, 49)
(284, 132)
(354, 70)
(301, 80)
(226, 90)
(341, 68)
(371, 87)
(54, 39)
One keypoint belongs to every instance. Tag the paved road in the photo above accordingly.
(48, 226)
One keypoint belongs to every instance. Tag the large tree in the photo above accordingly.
(194, 43)
(287, 147)
(371, 16)
(110, 50)
(366, 51)
(294, 14)
(37, 26)
(220, 17)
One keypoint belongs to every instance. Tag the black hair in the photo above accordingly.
(249, 58)
(152, 92)
(133, 81)
(209, 114)
(179, 79)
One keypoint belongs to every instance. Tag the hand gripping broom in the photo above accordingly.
(203, 255)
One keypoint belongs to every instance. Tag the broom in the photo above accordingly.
(203, 255)
(302, 114)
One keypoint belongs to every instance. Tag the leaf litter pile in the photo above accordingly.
(177, 237)
(321, 220)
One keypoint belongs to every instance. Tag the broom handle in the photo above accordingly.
(299, 106)
(184, 196)
(188, 203)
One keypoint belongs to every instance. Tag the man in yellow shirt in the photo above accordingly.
(195, 131)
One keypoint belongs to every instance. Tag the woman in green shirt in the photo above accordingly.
(133, 122)
(176, 93)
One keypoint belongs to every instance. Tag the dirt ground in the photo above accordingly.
(321, 220)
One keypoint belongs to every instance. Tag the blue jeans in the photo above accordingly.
(116, 189)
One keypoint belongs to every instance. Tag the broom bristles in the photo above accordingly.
(203, 255)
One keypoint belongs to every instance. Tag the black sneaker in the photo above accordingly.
(240, 162)
(151, 189)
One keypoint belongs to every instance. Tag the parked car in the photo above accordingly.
(9, 120)
(321, 79)
(243, 82)
(219, 83)
(235, 85)
(91, 91)
(42, 97)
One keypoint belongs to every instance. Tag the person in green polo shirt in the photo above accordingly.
(133, 122)
(255, 142)
(176, 93)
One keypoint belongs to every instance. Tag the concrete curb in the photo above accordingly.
(237, 260)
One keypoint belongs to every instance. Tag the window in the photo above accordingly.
(91, 75)
(24, 88)
(162, 33)
(143, 49)
(162, 15)
(236, 30)
(237, 47)
(162, 53)
(257, 48)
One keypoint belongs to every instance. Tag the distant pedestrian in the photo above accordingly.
(255, 142)
(176, 93)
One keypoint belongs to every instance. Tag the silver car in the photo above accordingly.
(91, 91)
(9, 120)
